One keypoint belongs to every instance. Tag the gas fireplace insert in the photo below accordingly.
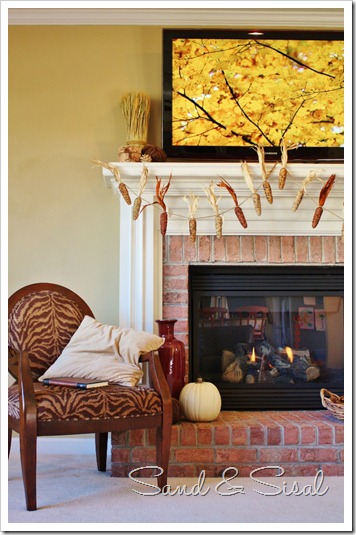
(269, 337)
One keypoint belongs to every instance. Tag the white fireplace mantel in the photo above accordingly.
(140, 292)
(276, 219)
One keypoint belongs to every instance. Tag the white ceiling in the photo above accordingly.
(308, 18)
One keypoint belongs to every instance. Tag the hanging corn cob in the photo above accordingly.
(238, 210)
(214, 204)
(324, 192)
(283, 172)
(300, 195)
(121, 186)
(192, 203)
(265, 184)
(160, 194)
(255, 196)
(138, 200)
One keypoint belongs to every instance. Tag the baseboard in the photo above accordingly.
(62, 445)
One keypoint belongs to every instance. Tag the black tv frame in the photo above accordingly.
(228, 153)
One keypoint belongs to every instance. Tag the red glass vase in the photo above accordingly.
(172, 357)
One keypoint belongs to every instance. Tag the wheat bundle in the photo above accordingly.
(136, 111)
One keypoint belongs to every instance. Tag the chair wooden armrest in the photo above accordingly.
(27, 394)
(159, 382)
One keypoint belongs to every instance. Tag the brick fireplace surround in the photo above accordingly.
(301, 442)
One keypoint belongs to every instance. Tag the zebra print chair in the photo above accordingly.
(42, 319)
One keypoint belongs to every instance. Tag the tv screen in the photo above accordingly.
(226, 92)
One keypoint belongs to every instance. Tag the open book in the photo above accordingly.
(77, 382)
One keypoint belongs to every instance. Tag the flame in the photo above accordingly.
(289, 354)
(253, 355)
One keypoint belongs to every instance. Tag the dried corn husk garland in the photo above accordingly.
(122, 187)
(300, 195)
(138, 200)
(265, 184)
(255, 196)
(214, 202)
(192, 203)
(324, 192)
(238, 210)
(135, 107)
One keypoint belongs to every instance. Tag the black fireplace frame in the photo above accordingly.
(253, 280)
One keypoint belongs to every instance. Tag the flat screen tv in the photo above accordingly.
(227, 91)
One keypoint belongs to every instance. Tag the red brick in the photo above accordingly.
(181, 470)
(288, 252)
(318, 454)
(329, 249)
(291, 434)
(136, 437)
(175, 283)
(301, 469)
(192, 455)
(205, 248)
(190, 250)
(120, 455)
(302, 249)
(219, 249)
(144, 455)
(274, 249)
(278, 455)
(188, 435)
(274, 436)
(341, 455)
(222, 435)
(175, 270)
(261, 249)
(339, 250)
(339, 434)
(325, 435)
(232, 248)
(175, 297)
(235, 455)
(247, 249)
(175, 251)
(257, 435)
(308, 434)
(332, 469)
(316, 255)
(119, 438)
(239, 435)
(205, 436)
(175, 311)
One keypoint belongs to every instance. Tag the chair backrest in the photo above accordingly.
(42, 319)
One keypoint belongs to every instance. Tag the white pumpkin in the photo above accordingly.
(201, 401)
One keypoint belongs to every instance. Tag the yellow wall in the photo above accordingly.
(65, 86)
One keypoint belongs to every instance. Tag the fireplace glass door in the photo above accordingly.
(269, 338)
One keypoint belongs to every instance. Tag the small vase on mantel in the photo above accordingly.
(172, 356)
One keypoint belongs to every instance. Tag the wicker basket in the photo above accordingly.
(333, 402)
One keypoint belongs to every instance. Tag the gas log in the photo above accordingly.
(267, 364)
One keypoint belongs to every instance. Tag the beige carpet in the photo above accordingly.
(70, 491)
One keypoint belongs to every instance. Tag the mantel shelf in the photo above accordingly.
(276, 219)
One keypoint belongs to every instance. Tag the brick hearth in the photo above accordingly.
(301, 442)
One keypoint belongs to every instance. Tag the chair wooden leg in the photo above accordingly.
(28, 452)
(101, 447)
(163, 447)
(9, 440)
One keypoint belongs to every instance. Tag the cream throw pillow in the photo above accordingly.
(105, 352)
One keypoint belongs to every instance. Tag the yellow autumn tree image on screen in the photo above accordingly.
(255, 92)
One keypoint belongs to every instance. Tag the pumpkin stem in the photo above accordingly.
(199, 380)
